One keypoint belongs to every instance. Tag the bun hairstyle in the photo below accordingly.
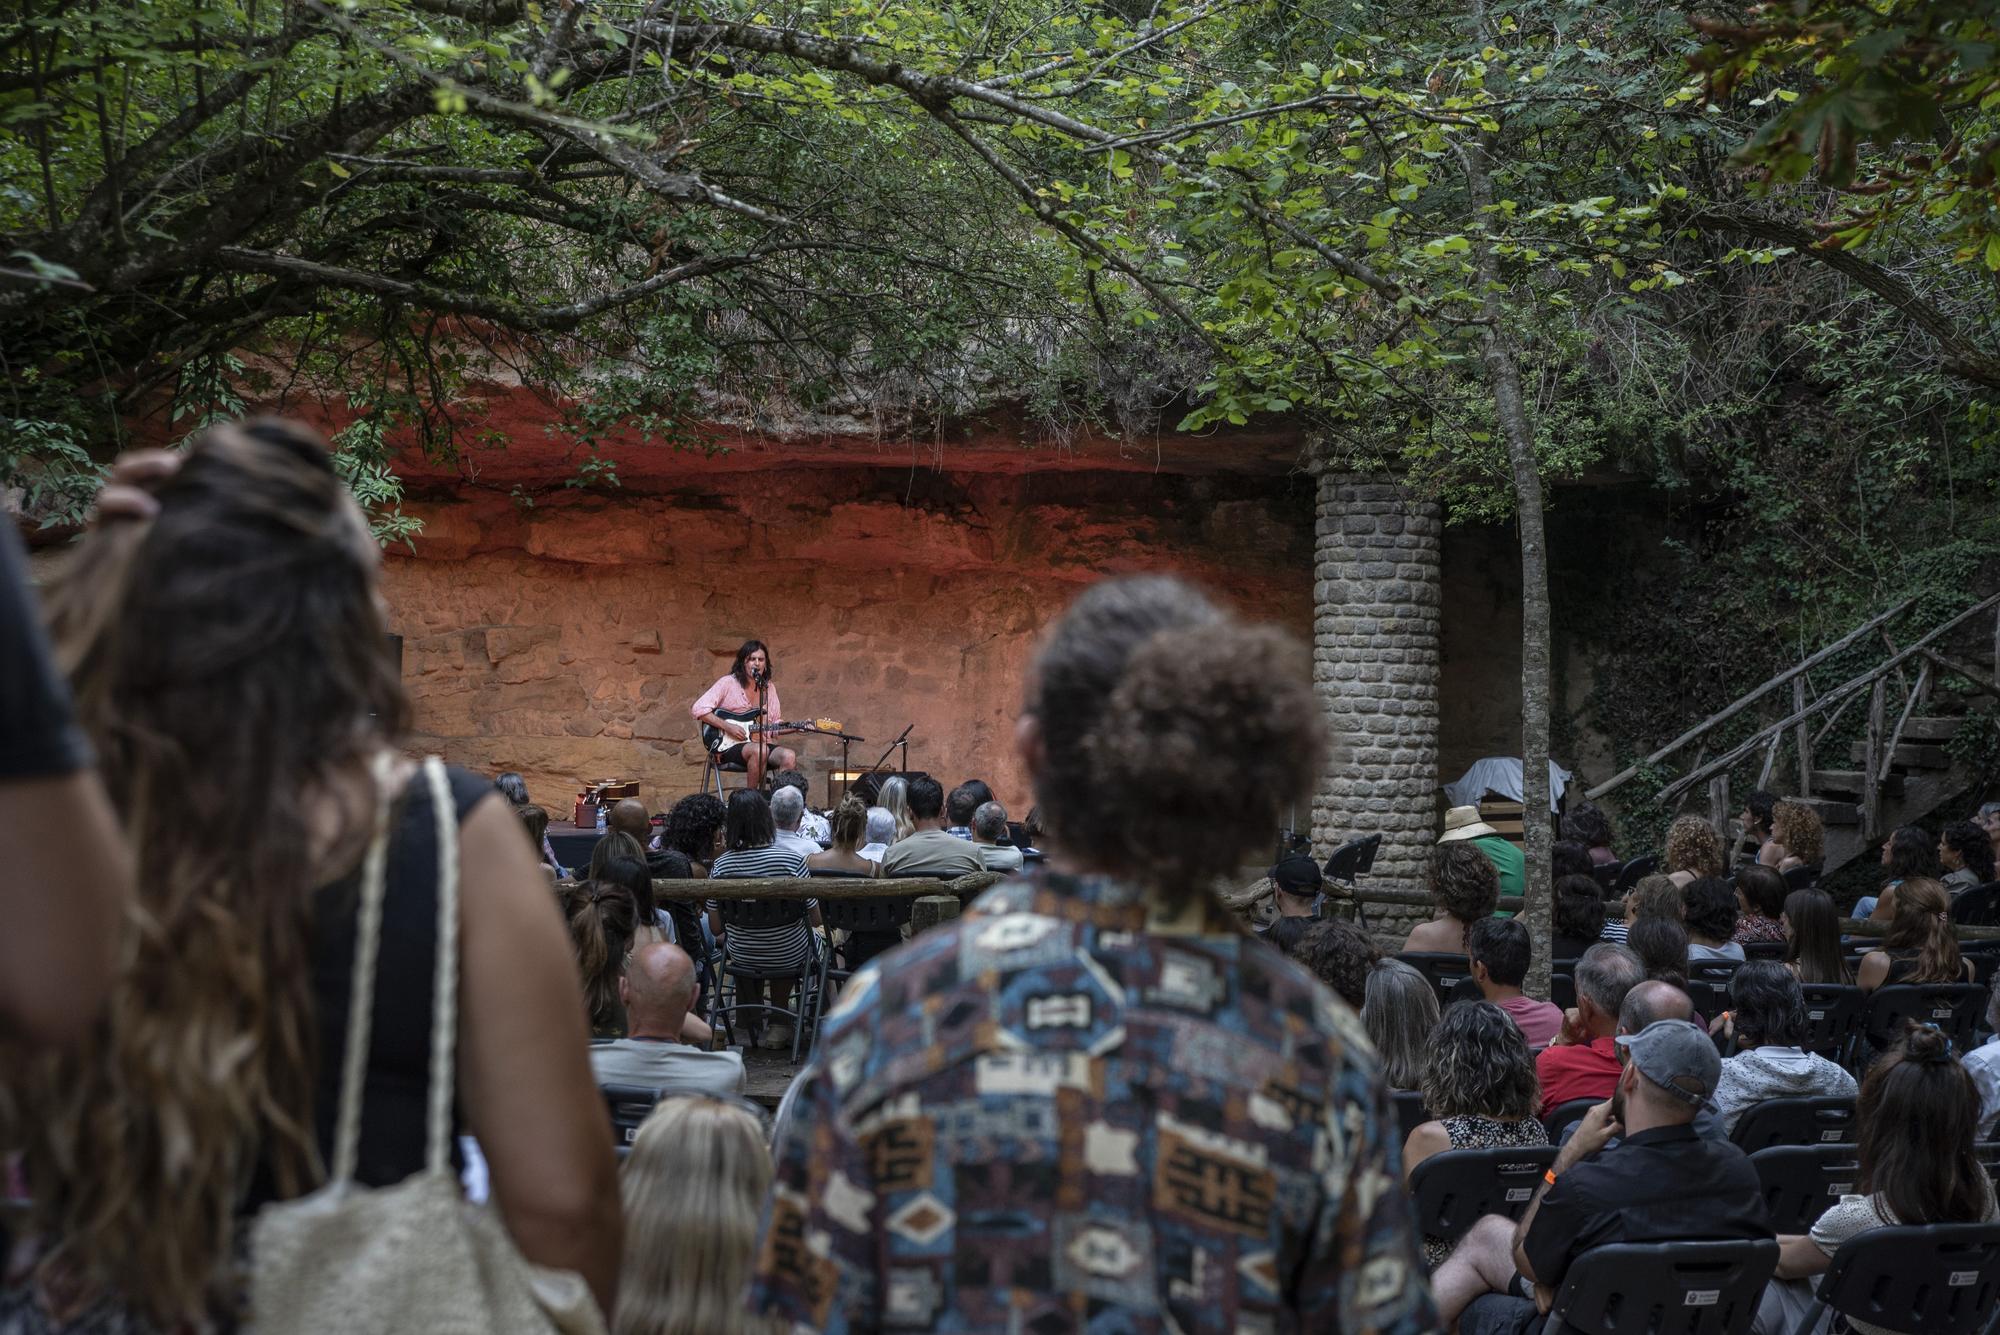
(849, 824)
(229, 666)
(1173, 735)
(602, 922)
(1918, 1113)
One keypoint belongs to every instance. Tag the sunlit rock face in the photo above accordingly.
(564, 631)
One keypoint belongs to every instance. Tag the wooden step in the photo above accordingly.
(1849, 781)
(1832, 811)
(1931, 729)
(1910, 755)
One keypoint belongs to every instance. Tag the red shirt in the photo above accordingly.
(1574, 1071)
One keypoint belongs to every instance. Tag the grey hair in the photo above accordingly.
(514, 786)
(990, 821)
(1399, 1009)
(1605, 973)
(881, 825)
(1989, 808)
(787, 805)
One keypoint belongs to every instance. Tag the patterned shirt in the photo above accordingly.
(1073, 1109)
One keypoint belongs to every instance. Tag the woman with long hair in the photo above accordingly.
(1812, 938)
(616, 845)
(1662, 946)
(1760, 903)
(227, 654)
(1916, 1113)
(1906, 854)
(895, 799)
(849, 827)
(1481, 1091)
(1464, 888)
(1798, 839)
(739, 703)
(1399, 1009)
(1163, 738)
(751, 851)
(692, 1187)
(1710, 914)
(1576, 919)
(1966, 855)
(1693, 851)
(1585, 823)
(602, 920)
(1919, 946)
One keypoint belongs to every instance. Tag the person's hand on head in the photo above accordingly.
(1573, 1031)
(128, 488)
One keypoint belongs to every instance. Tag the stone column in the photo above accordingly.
(1377, 592)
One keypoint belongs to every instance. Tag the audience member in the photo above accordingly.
(895, 797)
(231, 678)
(1501, 953)
(628, 816)
(1582, 1063)
(1988, 819)
(928, 850)
(1585, 823)
(1966, 856)
(788, 806)
(1462, 824)
(602, 922)
(694, 825)
(1577, 919)
(845, 854)
(698, 1172)
(1812, 938)
(1340, 955)
(1662, 946)
(1464, 889)
(990, 836)
(1295, 889)
(751, 851)
(1767, 1018)
(959, 806)
(1919, 946)
(661, 1049)
(1567, 858)
(1655, 897)
(1661, 1182)
(1758, 811)
(1399, 1008)
(515, 788)
(1916, 1114)
(1285, 933)
(1135, 718)
(881, 833)
(1983, 1063)
(1710, 903)
(1480, 1089)
(1760, 903)
(1797, 838)
(811, 824)
(536, 822)
(1031, 825)
(1907, 854)
(614, 846)
(1692, 851)
(650, 923)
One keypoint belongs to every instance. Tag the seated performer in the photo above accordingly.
(741, 690)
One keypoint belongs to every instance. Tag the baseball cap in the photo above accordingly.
(1678, 1057)
(1297, 875)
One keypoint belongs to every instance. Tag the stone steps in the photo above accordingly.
(1909, 755)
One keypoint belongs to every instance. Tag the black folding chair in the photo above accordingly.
(629, 1106)
(1453, 1189)
(1988, 1154)
(765, 914)
(1710, 998)
(1443, 970)
(1938, 1279)
(711, 776)
(1834, 1013)
(878, 916)
(1562, 986)
(1763, 950)
(1713, 971)
(1664, 1288)
(1978, 907)
(1801, 1182)
(1563, 1114)
(1635, 871)
(1410, 1110)
(1956, 1008)
(1349, 863)
(1812, 1121)
(1606, 876)
(1801, 878)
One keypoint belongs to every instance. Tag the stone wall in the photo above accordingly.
(1377, 597)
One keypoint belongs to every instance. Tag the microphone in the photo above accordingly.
(762, 676)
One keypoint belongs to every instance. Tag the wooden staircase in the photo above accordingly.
(1898, 773)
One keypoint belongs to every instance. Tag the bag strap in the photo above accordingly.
(444, 1000)
(361, 993)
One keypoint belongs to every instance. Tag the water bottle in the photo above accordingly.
(600, 818)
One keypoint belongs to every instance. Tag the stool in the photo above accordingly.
(711, 776)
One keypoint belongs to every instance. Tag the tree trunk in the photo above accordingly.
(1503, 372)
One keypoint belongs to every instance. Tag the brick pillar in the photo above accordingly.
(1376, 597)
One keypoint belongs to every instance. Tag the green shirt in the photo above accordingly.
(1508, 859)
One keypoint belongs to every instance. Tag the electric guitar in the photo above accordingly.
(715, 739)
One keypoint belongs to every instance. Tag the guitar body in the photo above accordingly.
(715, 739)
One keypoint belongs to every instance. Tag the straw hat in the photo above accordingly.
(1464, 823)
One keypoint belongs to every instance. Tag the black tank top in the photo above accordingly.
(398, 1075)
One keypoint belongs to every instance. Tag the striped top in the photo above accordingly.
(765, 947)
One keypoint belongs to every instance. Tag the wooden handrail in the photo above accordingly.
(1839, 693)
(1743, 702)
(1513, 903)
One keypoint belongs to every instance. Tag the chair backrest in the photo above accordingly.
(761, 912)
(1834, 1012)
(1562, 987)
(1988, 1154)
(629, 1105)
(1353, 858)
(1956, 1008)
(1452, 1190)
(1801, 878)
(1710, 998)
(1940, 1279)
(1369, 848)
(1410, 1110)
(1444, 970)
(1635, 871)
(1670, 1288)
(1764, 950)
(1606, 876)
(1801, 1182)
(1978, 907)
(1811, 1121)
(1563, 1114)
(877, 913)
(828, 874)
(1713, 971)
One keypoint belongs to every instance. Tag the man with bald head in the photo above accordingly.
(628, 816)
(657, 989)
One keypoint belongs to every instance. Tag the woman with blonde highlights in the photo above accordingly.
(227, 655)
(1919, 946)
(1693, 851)
(692, 1187)
(1797, 838)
